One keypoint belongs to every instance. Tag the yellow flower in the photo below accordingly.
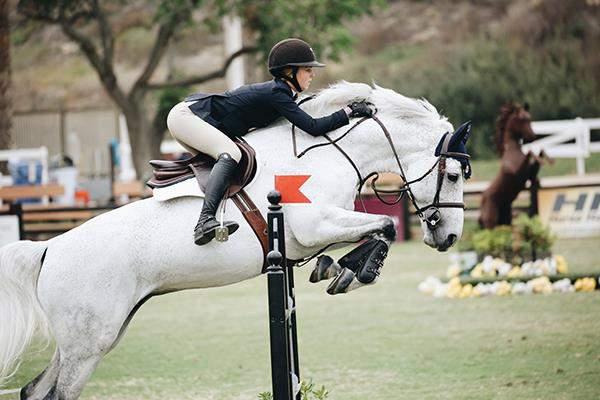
(588, 284)
(541, 285)
(504, 288)
(515, 272)
(585, 285)
(561, 264)
(452, 271)
(466, 291)
(477, 272)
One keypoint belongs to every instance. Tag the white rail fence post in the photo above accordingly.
(566, 139)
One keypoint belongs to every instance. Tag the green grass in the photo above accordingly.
(484, 170)
(387, 341)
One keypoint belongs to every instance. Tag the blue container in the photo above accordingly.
(23, 174)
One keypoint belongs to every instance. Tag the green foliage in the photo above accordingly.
(515, 243)
(533, 232)
(472, 83)
(307, 392)
(319, 22)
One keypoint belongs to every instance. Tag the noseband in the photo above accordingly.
(430, 214)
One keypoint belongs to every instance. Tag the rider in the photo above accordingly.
(207, 122)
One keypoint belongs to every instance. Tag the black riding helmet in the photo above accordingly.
(291, 53)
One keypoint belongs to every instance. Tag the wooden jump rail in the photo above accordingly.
(52, 219)
(12, 193)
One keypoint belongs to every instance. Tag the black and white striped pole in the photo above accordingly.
(282, 311)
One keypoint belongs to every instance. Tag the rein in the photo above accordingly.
(430, 213)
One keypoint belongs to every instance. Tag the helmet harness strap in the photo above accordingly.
(293, 79)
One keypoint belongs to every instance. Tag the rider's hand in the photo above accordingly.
(360, 109)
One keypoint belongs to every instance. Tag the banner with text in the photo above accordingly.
(572, 212)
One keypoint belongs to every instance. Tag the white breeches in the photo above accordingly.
(197, 135)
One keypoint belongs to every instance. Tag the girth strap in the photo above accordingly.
(256, 221)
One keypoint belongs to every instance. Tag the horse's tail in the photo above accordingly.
(21, 316)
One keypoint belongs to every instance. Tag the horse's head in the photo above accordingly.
(438, 196)
(434, 163)
(513, 123)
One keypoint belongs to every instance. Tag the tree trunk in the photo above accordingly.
(145, 141)
(5, 95)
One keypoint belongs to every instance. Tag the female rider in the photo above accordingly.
(207, 122)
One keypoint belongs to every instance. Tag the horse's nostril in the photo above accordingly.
(451, 239)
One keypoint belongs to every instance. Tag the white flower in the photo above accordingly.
(441, 290)
(488, 265)
(429, 285)
(563, 286)
(504, 269)
(521, 288)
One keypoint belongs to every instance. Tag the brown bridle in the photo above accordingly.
(430, 214)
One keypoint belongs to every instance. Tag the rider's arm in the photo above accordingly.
(287, 107)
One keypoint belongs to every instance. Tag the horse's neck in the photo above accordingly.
(366, 145)
(511, 143)
(371, 151)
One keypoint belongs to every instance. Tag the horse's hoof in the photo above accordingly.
(389, 232)
(341, 282)
(370, 270)
(325, 268)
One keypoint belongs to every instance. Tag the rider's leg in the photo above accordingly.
(192, 131)
(218, 182)
(197, 135)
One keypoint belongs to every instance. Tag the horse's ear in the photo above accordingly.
(526, 106)
(461, 134)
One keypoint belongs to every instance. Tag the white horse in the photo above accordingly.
(83, 287)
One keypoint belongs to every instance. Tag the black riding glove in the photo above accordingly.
(360, 109)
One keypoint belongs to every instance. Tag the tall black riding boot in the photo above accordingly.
(218, 182)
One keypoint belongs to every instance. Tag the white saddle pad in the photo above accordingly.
(189, 187)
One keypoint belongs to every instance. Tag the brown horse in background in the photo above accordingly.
(516, 168)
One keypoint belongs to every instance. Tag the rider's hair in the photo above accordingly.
(288, 71)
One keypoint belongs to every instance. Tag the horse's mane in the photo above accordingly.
(387, 101)
(506, 111)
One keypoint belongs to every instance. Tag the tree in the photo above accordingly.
(88, 23)
(5, 96)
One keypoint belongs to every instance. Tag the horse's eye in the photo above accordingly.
(453, 177)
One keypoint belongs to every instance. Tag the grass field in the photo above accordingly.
(387, 341)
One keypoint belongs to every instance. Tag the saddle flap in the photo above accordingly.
(167, 173)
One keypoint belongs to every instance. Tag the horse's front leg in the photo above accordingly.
(362, 265)
(315, 227)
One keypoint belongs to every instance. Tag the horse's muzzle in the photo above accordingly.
(450, 240)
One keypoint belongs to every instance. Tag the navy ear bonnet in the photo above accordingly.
(457, 148)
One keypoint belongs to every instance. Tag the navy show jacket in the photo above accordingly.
(257, 105)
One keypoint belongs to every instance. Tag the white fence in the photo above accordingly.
(566, 139)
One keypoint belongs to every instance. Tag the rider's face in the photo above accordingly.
(305, 76)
